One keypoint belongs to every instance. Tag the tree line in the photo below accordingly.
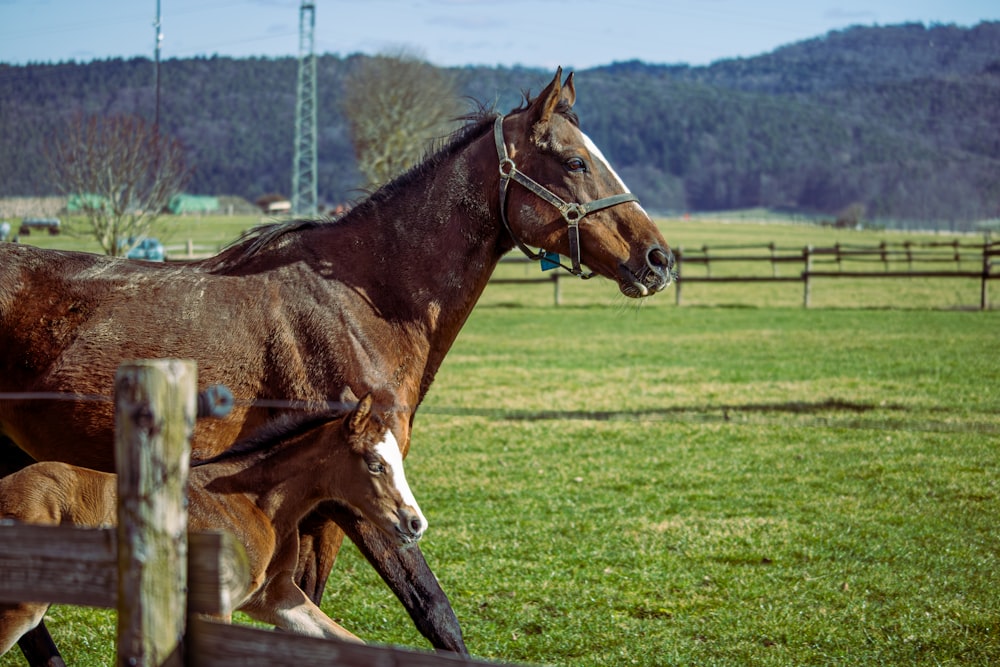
(901, 120)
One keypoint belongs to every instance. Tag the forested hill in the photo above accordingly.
(902, 119)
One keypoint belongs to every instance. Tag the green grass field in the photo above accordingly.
(734, 481)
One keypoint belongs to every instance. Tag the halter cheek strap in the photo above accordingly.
(571, 212)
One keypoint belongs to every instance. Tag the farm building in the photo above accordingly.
(183, 204)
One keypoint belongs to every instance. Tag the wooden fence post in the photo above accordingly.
(678, 261)
(808, 253)
(984, 295)
(155, 410)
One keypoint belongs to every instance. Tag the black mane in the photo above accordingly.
(273, 433)
(476, 124)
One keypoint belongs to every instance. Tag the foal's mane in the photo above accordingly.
(269, 437)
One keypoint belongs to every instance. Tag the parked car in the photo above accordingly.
(149, 249)
(50, 224)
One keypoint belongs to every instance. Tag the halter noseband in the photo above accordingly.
(571, 212)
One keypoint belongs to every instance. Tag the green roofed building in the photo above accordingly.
(181, 204)
(85, 201)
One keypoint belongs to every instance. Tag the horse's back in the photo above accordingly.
(53, 493)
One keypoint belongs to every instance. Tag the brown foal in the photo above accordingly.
(258, 490)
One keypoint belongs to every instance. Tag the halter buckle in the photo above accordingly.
(572, 213)
(507, 167)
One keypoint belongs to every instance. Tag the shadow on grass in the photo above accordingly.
(833, 413)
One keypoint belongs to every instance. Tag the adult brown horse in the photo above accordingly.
(305, 310)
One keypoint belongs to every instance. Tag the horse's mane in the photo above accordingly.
(287, 426)
(476, 124)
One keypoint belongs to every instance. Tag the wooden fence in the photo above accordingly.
(160, 579)
(951, 259)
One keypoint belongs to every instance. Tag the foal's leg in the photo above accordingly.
(36, 644)
(408, 575)
(17, 620)
(285, 606)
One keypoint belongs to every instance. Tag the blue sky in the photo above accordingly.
(576, 34)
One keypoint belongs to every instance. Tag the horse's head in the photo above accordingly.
(558, 192)
(375, 484)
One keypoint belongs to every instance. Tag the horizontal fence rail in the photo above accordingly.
(951, 259)
(906, 259)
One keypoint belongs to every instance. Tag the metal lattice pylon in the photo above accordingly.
(304, 171)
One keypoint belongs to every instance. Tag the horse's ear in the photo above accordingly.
(543, 106)
(347, 395)
(569, 91)
(361, 414)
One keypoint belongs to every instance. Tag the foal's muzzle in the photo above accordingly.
(410, 525)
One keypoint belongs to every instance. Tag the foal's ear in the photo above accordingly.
(359, 418)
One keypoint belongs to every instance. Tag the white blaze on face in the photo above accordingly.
(596, 152)
(388, 449)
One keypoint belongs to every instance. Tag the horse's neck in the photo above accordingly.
(439, 236)
(429, 247)
(284, 482)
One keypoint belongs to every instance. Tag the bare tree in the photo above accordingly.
(121, 172)
(396, 106)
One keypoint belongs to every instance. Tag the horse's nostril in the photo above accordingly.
(412, 523)
(660, 260)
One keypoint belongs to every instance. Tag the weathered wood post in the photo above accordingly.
(807, 252)
(678, 262)
(155, 410)
(984, 294)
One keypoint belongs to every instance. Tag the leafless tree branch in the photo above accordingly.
(121, 172)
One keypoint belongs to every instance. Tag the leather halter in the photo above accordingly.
(571, 212)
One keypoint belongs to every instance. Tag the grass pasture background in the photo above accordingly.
(735, 481)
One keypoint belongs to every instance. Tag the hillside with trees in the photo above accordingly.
(902, 120)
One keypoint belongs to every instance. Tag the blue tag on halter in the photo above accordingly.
(550, 260)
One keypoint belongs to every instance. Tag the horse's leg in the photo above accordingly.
(12, 457)
(319, 542)
(286, 607)
(39, 649)
(19, 619)
(35, 643)
(408, 575)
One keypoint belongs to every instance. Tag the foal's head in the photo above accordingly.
(373, 482)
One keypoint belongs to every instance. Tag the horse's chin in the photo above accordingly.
(403, 539)
(646, 283)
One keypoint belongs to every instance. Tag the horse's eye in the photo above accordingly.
(376, 467)
(575, 164)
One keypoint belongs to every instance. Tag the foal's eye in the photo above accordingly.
(376, 467)
(575, 164)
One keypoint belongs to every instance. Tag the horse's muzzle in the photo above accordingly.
(410, 525)
(657, 274)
